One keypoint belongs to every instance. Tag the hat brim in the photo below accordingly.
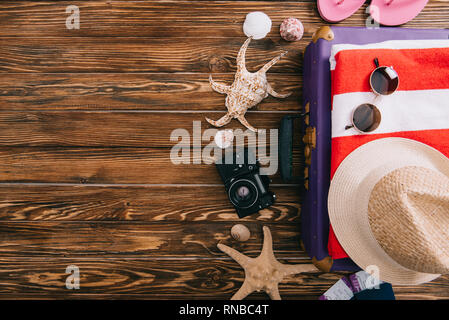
(349, 195)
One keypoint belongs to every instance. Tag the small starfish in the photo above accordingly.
(264, 272)
(247, 90)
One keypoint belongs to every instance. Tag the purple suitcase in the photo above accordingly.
(317, 130)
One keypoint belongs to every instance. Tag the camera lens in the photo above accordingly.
(243, 193)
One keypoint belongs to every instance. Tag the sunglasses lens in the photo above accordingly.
(384, 80)
(366, 117)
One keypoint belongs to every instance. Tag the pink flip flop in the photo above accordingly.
(338, 10)
(395, 12)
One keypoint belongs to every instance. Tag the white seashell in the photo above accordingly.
(223, 138)
(240, 232)
(257, 25)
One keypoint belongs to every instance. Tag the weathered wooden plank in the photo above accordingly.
(211, 279)
(115, 166)
(166, 279)
(437, 289)
(132, 92)
(133, 129)
(175, 18)
(147, 19)
(137, 203)
(131, 239)
(133, 54)
(158, 255)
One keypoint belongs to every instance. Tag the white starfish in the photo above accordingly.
(247, 90)
(264, 272)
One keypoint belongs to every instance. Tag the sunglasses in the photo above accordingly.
(383, 81)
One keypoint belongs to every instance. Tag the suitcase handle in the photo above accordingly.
(286, 150)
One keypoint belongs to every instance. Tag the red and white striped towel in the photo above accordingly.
(419, 110)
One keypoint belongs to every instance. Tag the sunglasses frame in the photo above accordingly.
(352, 119)
(378, 67)
(376, 109)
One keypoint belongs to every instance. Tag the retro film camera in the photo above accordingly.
(246, 188)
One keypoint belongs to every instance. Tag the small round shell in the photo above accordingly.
(223, 138)
(240, 232)
(257, 25)
(291, 29)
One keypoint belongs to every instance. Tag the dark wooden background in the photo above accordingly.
(85, 123)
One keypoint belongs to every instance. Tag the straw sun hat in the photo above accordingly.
(389, 208)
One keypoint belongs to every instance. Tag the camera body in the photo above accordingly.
(246, 188)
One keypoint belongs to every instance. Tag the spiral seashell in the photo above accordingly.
(240, 232)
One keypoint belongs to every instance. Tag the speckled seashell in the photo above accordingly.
(240, 233)
(291, 29)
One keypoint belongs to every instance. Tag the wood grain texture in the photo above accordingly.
(137, 203)
(158, 53)
(117, 129)
(131, 239)
(142, 278)
(125, 91)
(135, 54)
(155, 279)
(85, 123)
(118, 166)
(189, 19)
(437, 289)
